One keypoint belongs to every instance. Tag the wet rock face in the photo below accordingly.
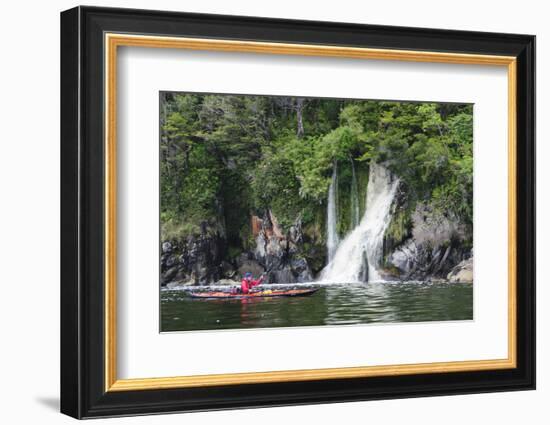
(246, 263)
(301, 270)
(419, 261)
(279, 252)
(435, 245)
(196, 260)
(201, 259)
(430, 226)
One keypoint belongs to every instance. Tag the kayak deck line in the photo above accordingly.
(226, 287)
(256, 294)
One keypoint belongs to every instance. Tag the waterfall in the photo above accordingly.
(332, 215)
(354, 196)
(359, 254)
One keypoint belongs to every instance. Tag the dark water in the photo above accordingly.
(331, 305)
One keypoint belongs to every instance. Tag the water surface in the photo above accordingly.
(331, 305)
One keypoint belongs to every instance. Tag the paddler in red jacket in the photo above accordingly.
(248, 283)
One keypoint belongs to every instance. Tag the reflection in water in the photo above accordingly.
(332, 305)
(369, 302)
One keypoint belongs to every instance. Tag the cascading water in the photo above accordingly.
(332, 215)
(359, 254)
(354, 208)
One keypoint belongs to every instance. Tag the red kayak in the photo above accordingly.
(255, 294)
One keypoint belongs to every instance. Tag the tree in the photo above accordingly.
(224, 157)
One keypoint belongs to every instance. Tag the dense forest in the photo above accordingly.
(234, 168)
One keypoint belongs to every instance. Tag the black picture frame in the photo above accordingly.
(83, 392)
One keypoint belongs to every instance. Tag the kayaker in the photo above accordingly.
(248, 283)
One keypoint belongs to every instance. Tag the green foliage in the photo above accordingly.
(225, 157)
(428, 145)
(400, 227)
(276, 187)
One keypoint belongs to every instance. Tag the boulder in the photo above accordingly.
(462, 272)
(168, 275)
(171, 260)
(227, 269)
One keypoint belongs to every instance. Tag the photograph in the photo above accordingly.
(281, 211)
(285, 210)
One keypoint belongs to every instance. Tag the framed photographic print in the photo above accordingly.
(261, 212)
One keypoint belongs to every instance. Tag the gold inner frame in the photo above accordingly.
(113, 41)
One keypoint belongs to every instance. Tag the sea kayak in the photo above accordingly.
(256, 294)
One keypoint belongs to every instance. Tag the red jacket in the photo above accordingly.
(247, 284)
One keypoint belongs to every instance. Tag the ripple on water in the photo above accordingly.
(343, 304)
